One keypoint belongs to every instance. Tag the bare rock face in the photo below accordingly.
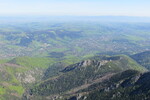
(93, 62)
(85, 63)
(29, 79)
(29, 76)
(25, 78)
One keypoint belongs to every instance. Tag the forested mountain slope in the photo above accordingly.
(143, 58)
(127, 85)
(81, 75)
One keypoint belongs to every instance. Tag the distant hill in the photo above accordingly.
(82, 75)
(143, 59)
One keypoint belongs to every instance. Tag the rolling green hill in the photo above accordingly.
(63, 39)
(19, 73)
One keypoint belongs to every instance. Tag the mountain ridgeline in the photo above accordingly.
(101, 77)
(80, 76)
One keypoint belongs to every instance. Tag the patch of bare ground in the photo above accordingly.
(11, 65)
(15, 94)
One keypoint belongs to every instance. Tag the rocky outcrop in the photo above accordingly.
(86, 63)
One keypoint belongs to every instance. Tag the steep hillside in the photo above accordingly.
(81, 75)
(54, 70)
(143, 59)
(11, 86)
(127, 85)
(20, 73)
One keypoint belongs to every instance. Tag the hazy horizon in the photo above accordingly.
(7, 19)
(75, 8)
